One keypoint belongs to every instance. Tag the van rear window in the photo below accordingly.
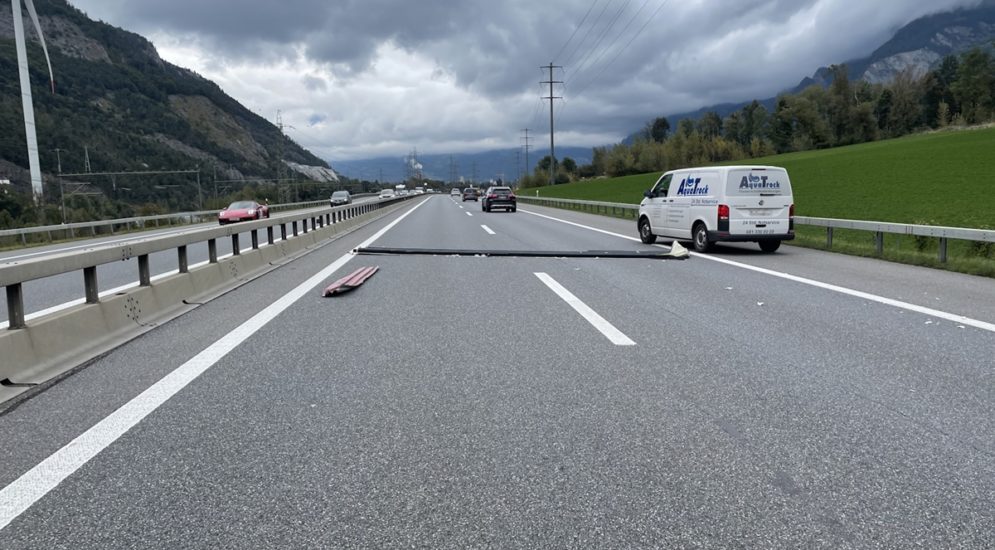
(758, 182)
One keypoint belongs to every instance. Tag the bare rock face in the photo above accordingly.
(948, 40)
(60, 34)
(918, 62)
(314, 173)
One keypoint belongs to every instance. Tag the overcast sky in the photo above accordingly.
(367, 78)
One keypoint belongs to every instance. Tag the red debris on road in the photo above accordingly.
(351, 281)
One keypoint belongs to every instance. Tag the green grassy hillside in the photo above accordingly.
(943, 178)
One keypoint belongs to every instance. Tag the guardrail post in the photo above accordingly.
(212, 250)
(144, 275)
(90, 285)
(304, 223)
(181, 257)
(879, 242)
(294, 226)
(283, 231)
(269, 234)
(829, 237)
(235, 248)
(15, 307)
(255, 239)
(943, 250)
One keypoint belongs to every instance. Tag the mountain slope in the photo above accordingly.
(119, 102)
(487, 165)
(919, 46)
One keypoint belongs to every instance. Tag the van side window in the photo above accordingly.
(660, 190)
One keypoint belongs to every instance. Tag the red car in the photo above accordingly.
(243, 210)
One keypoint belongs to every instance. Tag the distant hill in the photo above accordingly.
(919, 46)
(487, 165)
(129, 109)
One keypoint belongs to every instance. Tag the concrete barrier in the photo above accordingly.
(54, 344)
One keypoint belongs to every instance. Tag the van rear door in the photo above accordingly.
(760, 200)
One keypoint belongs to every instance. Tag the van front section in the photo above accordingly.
(759, 206)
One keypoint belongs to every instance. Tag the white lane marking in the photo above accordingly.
(983, 325)
(488, 230)
(586, 312)
(23, 492)
(469, 214)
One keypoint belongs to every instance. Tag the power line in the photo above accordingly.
(551, 97)
(527, 147)
(601, 36)
(577, 28)
(627, 44)
(608, 48)
(586, 34)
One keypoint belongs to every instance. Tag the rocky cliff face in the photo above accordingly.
(921, 45)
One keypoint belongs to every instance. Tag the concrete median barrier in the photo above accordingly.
(54, 344)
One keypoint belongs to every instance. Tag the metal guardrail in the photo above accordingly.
(944, 234)
(14, 273)
(73, 230)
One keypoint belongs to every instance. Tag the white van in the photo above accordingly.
(720, 203)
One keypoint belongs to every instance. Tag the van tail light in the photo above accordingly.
(723, 218)
(791, 218)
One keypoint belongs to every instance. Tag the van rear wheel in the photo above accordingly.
(769, 246)
(700, 235)
(646, 232)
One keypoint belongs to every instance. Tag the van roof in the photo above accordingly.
(730, 168)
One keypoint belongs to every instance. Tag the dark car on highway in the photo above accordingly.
(339, 198)
(499, 197)
(470, 194)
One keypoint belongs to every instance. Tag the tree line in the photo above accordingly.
(959, 92)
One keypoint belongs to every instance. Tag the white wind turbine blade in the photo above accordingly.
(34, 19)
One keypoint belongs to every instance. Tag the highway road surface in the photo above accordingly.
(795, 400)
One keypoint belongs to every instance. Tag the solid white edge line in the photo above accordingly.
(488, 230)
(34, 484)
(967, 321)
(616, 336)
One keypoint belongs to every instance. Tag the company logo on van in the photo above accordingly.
(691, 187)
(752, 182)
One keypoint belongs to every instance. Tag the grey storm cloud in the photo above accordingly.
(624, 61)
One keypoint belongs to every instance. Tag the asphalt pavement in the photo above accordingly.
(800, 399)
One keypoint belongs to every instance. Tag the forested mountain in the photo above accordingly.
(116, 99)
(917, 47)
